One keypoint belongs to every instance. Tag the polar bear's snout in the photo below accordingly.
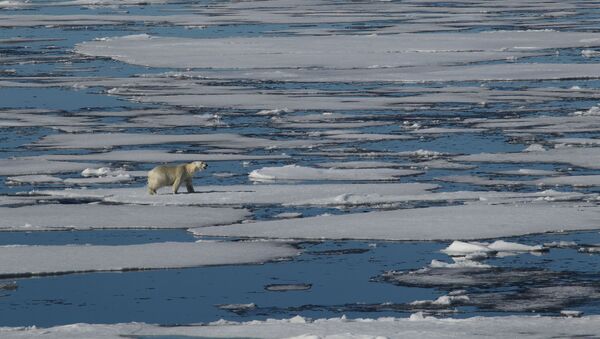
(200, 164)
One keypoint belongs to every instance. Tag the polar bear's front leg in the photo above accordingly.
(189, 185)
(176, 184)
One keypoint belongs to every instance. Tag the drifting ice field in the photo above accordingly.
(374, 169)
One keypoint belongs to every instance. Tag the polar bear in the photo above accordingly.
(174, 176)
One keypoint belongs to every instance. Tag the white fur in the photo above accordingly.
(174, 176)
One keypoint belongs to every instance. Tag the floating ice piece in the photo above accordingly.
(125, 177)
(575, 141)
(295, 172)
(590, 249)
(528, 171)
(9, 286)
(330, 51)
(590, 53)
(244, 194)
(360, 164)
(312, 195)
(276, 111)
(567, 180)
(33, 179)
(561, 244)
(444, 300)
(237, 307)
(593, 111)
(441, 130)
(441, 164)
(475, 180)
(26, 166)
(153, 156)
(458, 263)
(477, 221)
(534, 148)
(368, 136)
(98, 172)
(288, 215)
(580, 156)
(571, 180)
(95, 216)
(44, 260)
(571, 313)
(463, 248)
(288, 287)
(108, 140)
(505, 246)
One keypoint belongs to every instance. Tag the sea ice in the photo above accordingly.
(244, 194)
(295, 172)
(96, 216)
(44, 260)
(580, 156)
(477, 221)
(418, 325)
(24, 166)
(337, 51)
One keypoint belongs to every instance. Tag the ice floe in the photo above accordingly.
(295, 172)
(418, 325)
(460, 248)
(24, 166)
(291, 52)
(434, 223)
(287, 287)
(243, 194)
(44, 260)
(582, 157)
(108, 140)
(96, 216)
(153, 156)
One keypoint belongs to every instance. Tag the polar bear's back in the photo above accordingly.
(161, 175)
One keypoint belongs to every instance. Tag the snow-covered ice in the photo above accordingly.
(295, 172)
(433, 223)
(418, 325)
(245, 194)
(96, 216)
(43, 260)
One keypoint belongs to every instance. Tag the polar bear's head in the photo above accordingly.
(199, 165)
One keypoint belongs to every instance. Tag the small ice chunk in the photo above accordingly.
(571, 314)
(288, 215)
(464, 248)
(95, 172)
(288, 287)
(590, 53)
(560, 244)
(534, 148)
(590, 249)
(9, 286)
(505, 246)
(237, 307)
(458, 264)
(276, 111)
(595, 110)
(445, 300)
